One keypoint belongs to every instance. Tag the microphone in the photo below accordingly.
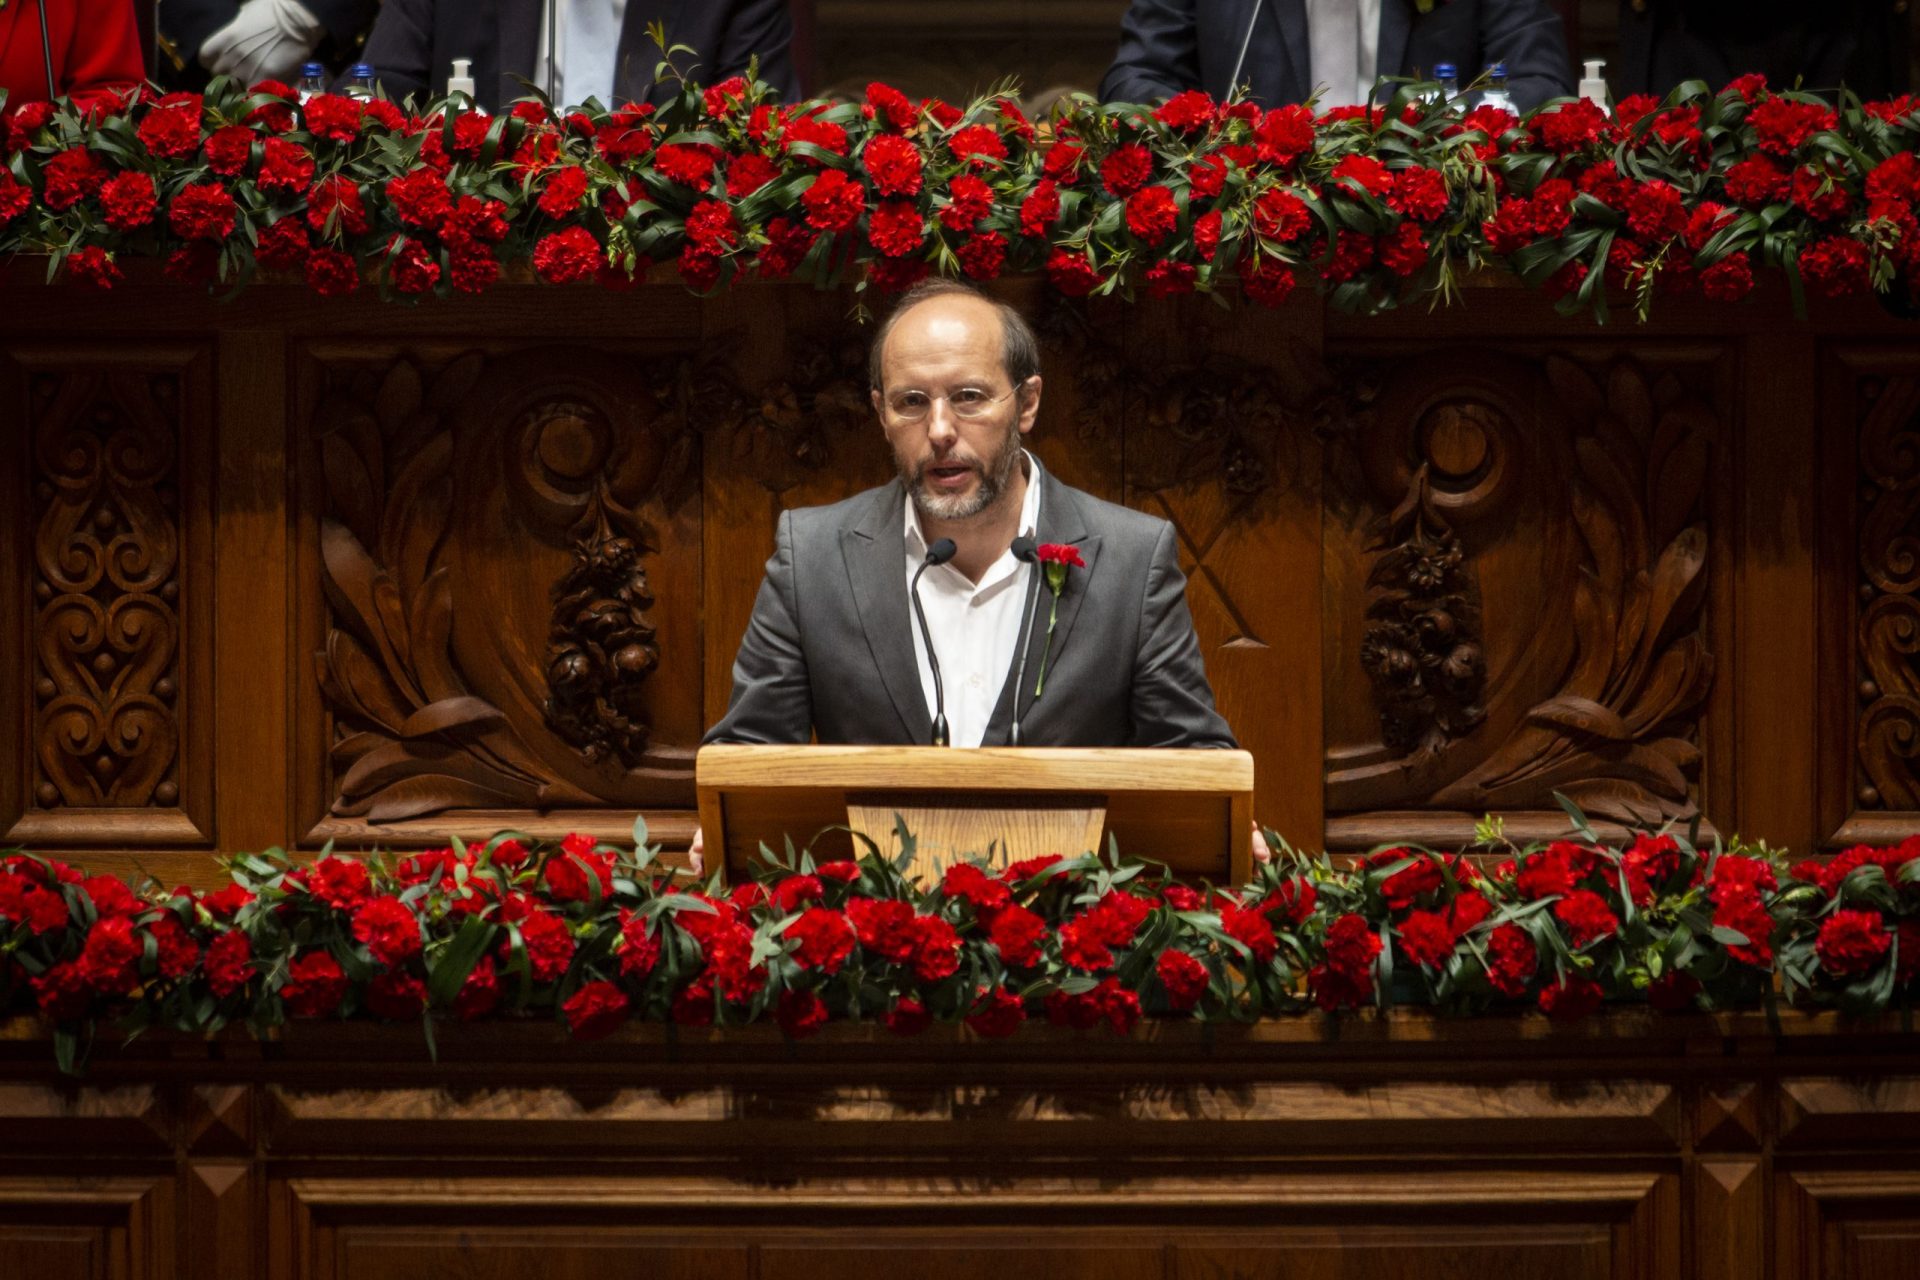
(1025, 551)
(939, 553)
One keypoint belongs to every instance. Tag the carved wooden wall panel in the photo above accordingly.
(507, 546)
(1870, 749)
(109, 596)
(1516, 591)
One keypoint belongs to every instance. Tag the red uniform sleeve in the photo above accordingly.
(102, 53)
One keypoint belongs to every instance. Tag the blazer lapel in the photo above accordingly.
(876, 554)
(1061, 522)
(1396, 24)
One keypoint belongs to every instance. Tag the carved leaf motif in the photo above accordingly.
(451, 715)
(1581, 715)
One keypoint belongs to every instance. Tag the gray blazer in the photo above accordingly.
(829, 651)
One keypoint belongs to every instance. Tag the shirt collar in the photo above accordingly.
(1029, 510)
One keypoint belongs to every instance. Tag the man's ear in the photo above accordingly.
(1029, 394)
(879, 411)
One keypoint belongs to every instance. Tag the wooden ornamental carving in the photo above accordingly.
(1421, 649)
(106, 584)
(1573, 497)
(1888, 735)
(485, 556)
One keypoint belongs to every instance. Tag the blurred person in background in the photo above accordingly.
(1863, 43)
(605, 51)
(1283, 49)
(88, 50)
(254, 40)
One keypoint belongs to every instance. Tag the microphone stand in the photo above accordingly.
(939, 553)
(1024, 551)
(553, 50)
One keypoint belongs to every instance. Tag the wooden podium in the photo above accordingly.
(1190, 809)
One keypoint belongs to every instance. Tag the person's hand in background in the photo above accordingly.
(267, 40)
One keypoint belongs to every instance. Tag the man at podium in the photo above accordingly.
(926, 612)
(975, 600)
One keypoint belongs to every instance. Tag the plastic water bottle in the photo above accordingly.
(313, 79)
(1496, 94)
(1449, 77)
(360, 82)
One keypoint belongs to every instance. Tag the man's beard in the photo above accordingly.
(994, 478)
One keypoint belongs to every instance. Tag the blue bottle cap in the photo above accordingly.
(1446, 71)
(362, 71)
(313, 69)
(1498, 69)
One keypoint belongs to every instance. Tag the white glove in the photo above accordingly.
(267, 40)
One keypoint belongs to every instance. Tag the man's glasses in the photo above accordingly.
(967, 402)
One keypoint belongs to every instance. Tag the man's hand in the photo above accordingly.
(697, 853)
(267, 40)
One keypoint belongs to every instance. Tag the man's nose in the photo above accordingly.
(942, 427)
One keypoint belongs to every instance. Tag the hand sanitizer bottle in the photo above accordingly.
(1593, 85)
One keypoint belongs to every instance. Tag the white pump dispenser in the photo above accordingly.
(1593, 85)
(461, 81)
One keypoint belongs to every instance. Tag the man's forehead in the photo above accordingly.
(943, 328)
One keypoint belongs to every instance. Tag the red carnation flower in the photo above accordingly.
(1252, 929)
(690, 166)
(726, 97)
(171, 132)
(1268, 281)
(1403, 250)
(333, 116)
(14, 198)
(1072, 274)
(884, 927)
(1572, 126)
(1364, 172)
(890, 107)
(412, 267)
(1426, 938)
(1820, 194)
(283, 246)
(895, 228)
(748, 173)
(800, 1013)
(1835, 267)
(390, 930)
(1184, 977)
(825, 939)
(1781, 125)
(1040, 210)
(595, 1010)
(385, 114)
(711, 226)
(1126, 169)
(203, 211)
(480, 993)
(969, 199)
(70, 177)
(964, 882)
(977, 145)
(1852, 942)
(1170, 279)
(1511, 960)
(1062, 160)
(944, 113)
(1352, 254)
(473, 220)
(1728, 280)
(1186, 111)
(1284, 134)
(27, 121)
(315, 986)
(1420, 194)
(983, 256)
(815, 132)
(421, 198)
(1151, 213)
(908, 1017)
(229, 148)
(564, 257)
(1018, 934)
(229, 963)
(1587, 917)
(549, 945)
(1656, 211)
(1351, 946)
(1207, 176)
(128, 200)
(284, 166)
(833, 201)
(561, 195)
(1571, 998)
(1755, 182)
(341, 883)
(334, 207)
(787, 245)
(894, 164)
(997, 1013)
(1206, 235)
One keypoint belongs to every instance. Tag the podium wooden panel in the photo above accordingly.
(1191, 809)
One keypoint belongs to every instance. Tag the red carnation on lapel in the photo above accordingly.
(1055, 559)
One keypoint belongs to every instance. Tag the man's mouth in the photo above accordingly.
(948, 475)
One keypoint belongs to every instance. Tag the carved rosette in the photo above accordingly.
(106, 583)
(1617, 641)
(1888, 735)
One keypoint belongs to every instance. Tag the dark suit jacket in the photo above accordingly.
(829, 650)
(1861, 42)
(414, 43)
(1168, 46)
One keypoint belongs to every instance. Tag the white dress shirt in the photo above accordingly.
(975, 626)
(588, 33)
(1344, 36)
